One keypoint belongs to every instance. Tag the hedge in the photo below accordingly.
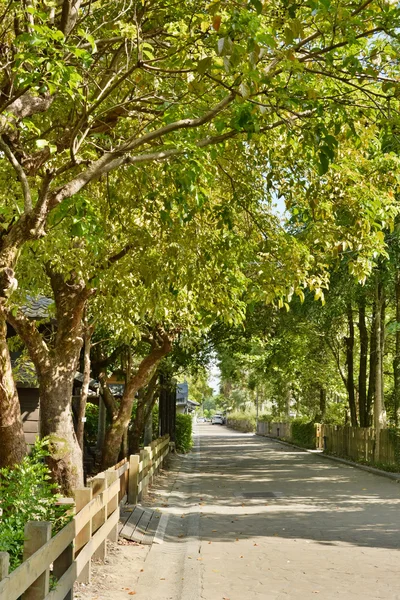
(242, 422)
(303, 433)
(183, 433)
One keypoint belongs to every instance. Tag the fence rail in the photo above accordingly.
(95, 511)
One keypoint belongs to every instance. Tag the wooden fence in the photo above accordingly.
(95, 515)
(360, 444)
(355, 443)
(279, 430)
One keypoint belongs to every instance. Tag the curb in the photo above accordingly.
(393, 476)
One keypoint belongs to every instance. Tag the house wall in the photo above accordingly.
(29, 402)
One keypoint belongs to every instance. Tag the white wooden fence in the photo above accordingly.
(66, 557)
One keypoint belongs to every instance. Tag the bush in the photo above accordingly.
(244, 422)
(91, 425)
(27, 494)
(184, 441)
(155, 418)
(266, 418)
(303, 433)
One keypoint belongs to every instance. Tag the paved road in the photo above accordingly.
(330, 531)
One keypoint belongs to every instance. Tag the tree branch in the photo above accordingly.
(20, 173)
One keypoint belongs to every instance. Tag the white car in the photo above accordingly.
(217, 420)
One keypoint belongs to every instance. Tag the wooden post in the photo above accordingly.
(66, 558)
(82, 497)
(37, 533)
(133, 478)
(98, 485)
(4, 564)
(111, 476)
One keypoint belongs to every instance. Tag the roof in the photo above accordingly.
(37, 307)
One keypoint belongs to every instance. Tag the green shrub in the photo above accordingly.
(27, 494)
(91, 425)
(303, 433)
(183, 439)
(154, 416)
(241, 421)
(266, 418)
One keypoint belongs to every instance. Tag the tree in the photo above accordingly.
(99, 86)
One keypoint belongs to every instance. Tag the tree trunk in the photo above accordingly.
(123, 416)
(322, 403)
(13, 446)
(372, 366)
(55, 390)
(396, 360)
(85, 386)
(55, 368)
(362, 377)
(144, 408)
(379, 407)
(288, 398)
(350, 367)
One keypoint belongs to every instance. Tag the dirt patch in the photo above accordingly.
(116, 577)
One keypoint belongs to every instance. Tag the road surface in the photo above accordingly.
(251, 519)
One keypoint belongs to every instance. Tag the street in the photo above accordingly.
(250, 518)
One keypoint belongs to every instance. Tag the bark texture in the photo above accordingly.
(350, 367)
(12, 447)
(362, 376)
(396, 360)
(56, 366)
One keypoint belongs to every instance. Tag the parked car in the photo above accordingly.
(201, 420)
(217, 420)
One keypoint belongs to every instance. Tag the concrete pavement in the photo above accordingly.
(312, 528)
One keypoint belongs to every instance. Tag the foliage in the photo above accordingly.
(183, 433)
(242, 422)
(303, 433)
(91, 424)
(266, 418)
(155, 418)
(27, 494)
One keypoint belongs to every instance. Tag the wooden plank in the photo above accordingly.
(87, 512)
(113, 503)
(141, 528)
(83, 498)
(133, 478)
(13, 586)
(151, 528)
(121, 470)
(4, 564)
(65, 584)
(98, 538)
(131, 524)
(37, 534)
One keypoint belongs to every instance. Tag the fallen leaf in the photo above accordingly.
(255, 544)
(214, 530)
(162, 578)
(131, 593)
